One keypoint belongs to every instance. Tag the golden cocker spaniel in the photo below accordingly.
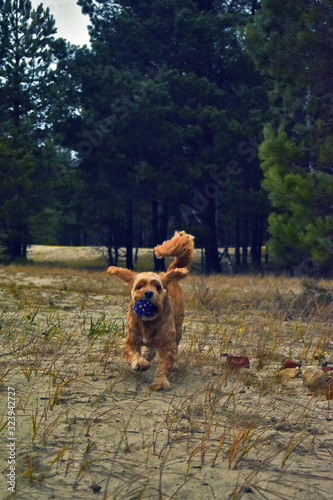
(156, 310)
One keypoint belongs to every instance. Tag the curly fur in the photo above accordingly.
(162, 332)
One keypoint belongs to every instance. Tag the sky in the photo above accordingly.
(70, 21)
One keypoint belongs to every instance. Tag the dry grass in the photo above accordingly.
(85, 423)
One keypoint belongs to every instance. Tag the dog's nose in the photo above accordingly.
(149, 294)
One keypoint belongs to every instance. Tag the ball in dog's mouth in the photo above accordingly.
(144, 308)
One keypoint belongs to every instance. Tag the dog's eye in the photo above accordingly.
(158, 288)
(138, 287)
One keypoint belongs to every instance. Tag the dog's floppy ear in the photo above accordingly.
(122, 273)
(174, 275)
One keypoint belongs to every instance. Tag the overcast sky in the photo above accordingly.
(70, 21)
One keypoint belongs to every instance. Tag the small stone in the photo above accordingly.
(289, 372)
(313, 376)
(96, 488)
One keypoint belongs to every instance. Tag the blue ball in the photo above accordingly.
(144, 308)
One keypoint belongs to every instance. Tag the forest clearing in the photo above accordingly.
(85, 424)
(213, 117)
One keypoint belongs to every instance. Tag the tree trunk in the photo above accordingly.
(254, 245)
(256, 240)
(15, 248)
(245, 242)
(159, 264)
(164, 224)
(129, 235)
(110, 241)
(212, 261)
(138, 242)
(163, 234)
(154, 213)
(237, 245)
(110, 256)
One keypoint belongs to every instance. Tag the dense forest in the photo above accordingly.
(209, 116)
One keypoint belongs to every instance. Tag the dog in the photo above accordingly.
(159, 329)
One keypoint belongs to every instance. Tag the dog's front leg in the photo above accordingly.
(149, 353)
(167, 355)
(132, 354)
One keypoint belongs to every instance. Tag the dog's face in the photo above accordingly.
(149, 286)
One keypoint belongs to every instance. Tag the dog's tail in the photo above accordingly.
(181, 246)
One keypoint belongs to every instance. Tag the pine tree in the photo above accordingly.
(181, 86)
(25, 59)
(292, 44)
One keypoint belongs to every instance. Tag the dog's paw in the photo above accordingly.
(160, 384)
(140, 365)
(148, 354)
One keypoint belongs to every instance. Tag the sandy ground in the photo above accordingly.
(87, 427)
(51, 254)
(85, 256)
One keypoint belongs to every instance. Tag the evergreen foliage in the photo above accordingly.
(179, 98)
(158, 124)
(292, 44)
(26, 37)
